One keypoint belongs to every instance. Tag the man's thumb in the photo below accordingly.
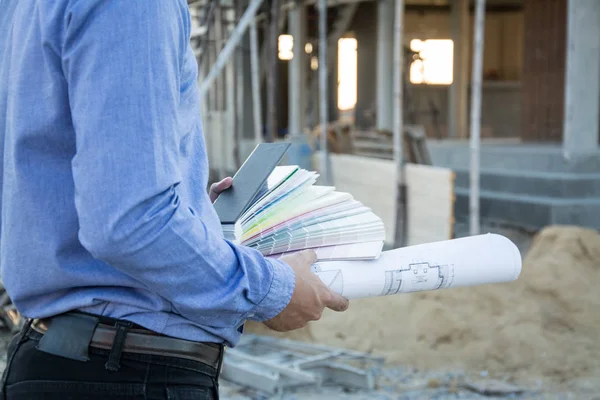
(337, 302)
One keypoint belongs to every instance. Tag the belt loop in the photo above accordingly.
(117, 347)
(220, 362)
(219, 368)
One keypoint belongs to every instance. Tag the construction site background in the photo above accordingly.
(536, 175)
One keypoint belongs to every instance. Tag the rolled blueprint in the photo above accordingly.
(468, 261)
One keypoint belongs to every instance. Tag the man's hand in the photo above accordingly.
(217, 187)
(310, 296)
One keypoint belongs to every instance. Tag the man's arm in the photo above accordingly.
(121, 60)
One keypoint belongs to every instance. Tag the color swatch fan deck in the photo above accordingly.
(279, 209)
(290, 213)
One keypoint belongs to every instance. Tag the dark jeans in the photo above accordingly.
(34, 375)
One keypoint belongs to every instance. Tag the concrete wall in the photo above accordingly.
(503, 38)
(501, 109)
(544, 70)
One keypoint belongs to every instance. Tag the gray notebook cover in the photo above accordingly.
(248, 181)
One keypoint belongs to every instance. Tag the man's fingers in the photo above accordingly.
(309, 256)
(337, 302)
(217, 187)
(222, 185)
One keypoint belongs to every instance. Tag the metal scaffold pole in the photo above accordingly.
(256, 101)
(220, 95)
(230, 113)
(384, 64)
(240, 83)
(296, 81)
(272, 76)
(398, 124)
(323, 109)
(476, 81)
(236, 36)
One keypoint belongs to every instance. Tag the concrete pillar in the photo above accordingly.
(297, 68)
(301, 152)
(458, 96)
(367, 44)
(272, 72)
(582, 83)
(385, 64)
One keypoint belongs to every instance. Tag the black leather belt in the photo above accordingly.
(134, 339)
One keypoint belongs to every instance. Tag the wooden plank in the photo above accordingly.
(430, 194)
(368, 180)
(430, 198)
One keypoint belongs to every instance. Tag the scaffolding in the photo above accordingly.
(237, 41)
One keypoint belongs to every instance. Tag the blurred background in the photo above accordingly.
(448, 118)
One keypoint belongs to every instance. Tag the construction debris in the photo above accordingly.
(271, 365)
(393, 383)
(378, 144)
(519, 329)
(493, 388)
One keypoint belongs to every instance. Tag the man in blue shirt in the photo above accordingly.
(109, 241)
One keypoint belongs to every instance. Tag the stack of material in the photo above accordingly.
(379, 144)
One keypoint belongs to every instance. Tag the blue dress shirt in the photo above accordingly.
(104, 174)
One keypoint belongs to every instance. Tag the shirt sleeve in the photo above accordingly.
(122, 61)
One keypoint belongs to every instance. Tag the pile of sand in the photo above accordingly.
(547, 323)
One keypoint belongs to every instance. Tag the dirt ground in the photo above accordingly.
(540, 333)
(541, 329)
